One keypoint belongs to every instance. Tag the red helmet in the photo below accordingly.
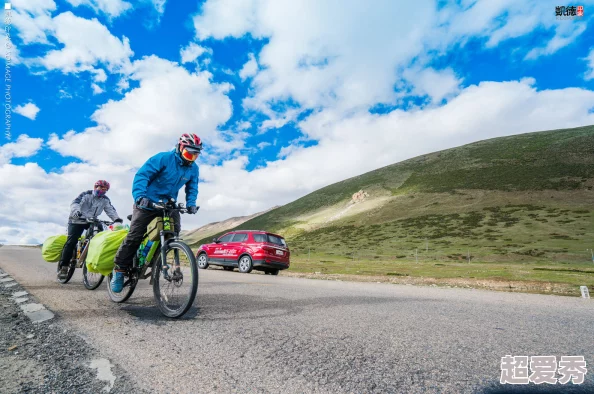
(189, 147)
(102, 183)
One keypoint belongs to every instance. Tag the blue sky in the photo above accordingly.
(288, 96)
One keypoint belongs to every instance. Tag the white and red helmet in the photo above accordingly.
(101, 187)
(189, 147)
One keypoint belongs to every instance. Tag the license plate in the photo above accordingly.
(280, 252)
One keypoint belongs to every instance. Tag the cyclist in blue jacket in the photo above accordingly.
(160, 178)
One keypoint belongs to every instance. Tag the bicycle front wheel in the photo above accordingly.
(175, 283)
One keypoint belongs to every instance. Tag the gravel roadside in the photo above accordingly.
(49, 357)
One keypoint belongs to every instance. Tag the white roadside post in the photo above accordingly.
(585, 292)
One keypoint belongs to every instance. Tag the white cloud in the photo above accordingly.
(192, 52)
(23, 147)
(32, 19)
(348, 55)
(97, 89)
(111, 8)
(150, 118)
(28, 110)
(86, 43)
(287, 151)
(228, 141)
(563, 37)
(249, 69)
(244, 125)
(436, 84)
(100, 75)
(64, 94)
(159, 5)
(277, 121)
(238, 17)
(590, 59)
(263, 145)
(123, 84)
(498, 21)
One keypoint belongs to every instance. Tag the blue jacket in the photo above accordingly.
(161, 177)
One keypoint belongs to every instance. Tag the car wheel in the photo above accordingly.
(273, 272)
(245, 264)
(202, 261)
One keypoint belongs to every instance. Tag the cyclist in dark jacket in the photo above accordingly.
(160, 178)
(88, 204)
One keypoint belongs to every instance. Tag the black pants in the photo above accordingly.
(140, 219)
(74, 232)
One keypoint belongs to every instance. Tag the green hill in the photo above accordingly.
(520, 198)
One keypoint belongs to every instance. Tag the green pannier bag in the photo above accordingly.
(102, 250)
(153, 230)
(51, 251)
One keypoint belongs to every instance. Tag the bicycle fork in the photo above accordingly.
(175, 275)
(164, 265)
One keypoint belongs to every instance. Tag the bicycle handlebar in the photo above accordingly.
(171, 205)
(95, 220)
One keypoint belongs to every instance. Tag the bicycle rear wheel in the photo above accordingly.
(129, 286)
(91, 280)
(175, 288)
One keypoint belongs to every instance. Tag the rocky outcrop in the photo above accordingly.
(361, 195)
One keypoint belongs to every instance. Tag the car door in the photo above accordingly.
(236, 247)
(221, 249)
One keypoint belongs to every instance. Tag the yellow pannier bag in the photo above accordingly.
(102, 250)
(51, 251)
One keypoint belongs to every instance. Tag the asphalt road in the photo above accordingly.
(256, 333)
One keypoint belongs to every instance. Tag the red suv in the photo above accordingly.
(246, 250)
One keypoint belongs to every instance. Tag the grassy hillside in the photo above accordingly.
(524, 198)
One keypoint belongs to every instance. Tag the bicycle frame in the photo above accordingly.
(89, 233)
(166, 235)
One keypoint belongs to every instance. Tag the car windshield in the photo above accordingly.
(276, 240)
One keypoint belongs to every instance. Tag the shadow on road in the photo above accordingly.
(223, 306)
(232, 307)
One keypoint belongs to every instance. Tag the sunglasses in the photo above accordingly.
(190, 154)
(102, 188)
